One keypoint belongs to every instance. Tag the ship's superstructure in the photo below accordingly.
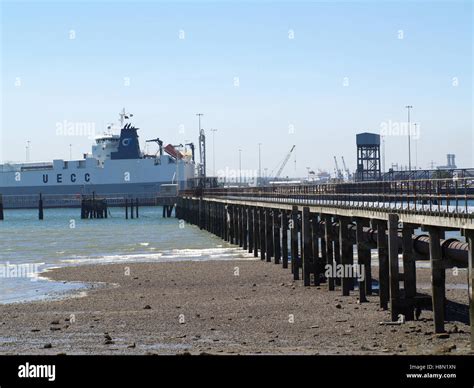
(116, 165)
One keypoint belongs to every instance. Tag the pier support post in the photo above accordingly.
(294, 243)
(255, 232)
(251, 228)
(315, 249)
(269, 234)
(329, 250)
(306, 246)
(469, 233)
(409, 271)
(438, 278)
(1, 207)
(136, 209)
(394, 268)
(201, 214)
(40, 207)
(276, 236)
(284, 238)
(384, 270)
(337, 251)
(261, 222)
(131, 208)
(347, 255)
(240, 225)
(126, 209)
(363, 260)
(245, 227)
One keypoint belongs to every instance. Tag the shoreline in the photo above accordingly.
(242, 306)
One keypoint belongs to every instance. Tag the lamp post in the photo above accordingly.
(213, 152)
(259, 163)
(409, 136)
(240, 166)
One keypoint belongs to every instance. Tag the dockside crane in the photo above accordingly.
(337, 171)
(285, 161)
(348, 174)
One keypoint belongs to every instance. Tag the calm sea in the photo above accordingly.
(30, 246)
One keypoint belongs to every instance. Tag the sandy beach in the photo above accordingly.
(216, 307)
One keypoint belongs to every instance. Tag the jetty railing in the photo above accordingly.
(424, 196)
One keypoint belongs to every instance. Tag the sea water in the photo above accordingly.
(63, 239)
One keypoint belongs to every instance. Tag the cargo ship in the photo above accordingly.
(115, 166)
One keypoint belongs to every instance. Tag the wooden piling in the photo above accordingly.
(393, 267)
(469, 233)
(363, 259)
(276, 236)
(131, 209)
(1, 207)
(284, 238)
(136, 209)
(346, 253)
(245, 227)
(384, 270)
(438, 278)
(126, 209)
(409, 271)
(40, 207)
(294, 243)
(306, 247)
(329, 250)
(261, 223)
(314, 225)
(268, 234)
(250, 228)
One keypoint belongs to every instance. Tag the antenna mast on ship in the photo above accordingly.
(124, 116)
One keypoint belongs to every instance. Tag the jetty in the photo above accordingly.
(313, 228)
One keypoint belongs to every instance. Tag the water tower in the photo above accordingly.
(368, 157)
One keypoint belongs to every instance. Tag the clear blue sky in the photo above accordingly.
(283, 82)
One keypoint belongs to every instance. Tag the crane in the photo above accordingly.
(285, 161)
(337, 170)
(345, 168)
(159, 142)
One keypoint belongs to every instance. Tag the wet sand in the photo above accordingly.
(218, 307)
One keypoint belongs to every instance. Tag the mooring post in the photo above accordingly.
(409, 271)
(40, 207)
(329, 251)
(469, 234)
(394, 270)
(438, 278)
(284, 238)
(136, 209)
(294, 243)
(126, 209)
(384, 269)
(363, 260)
(131, 208)
(276, 235)
(1, 207)
(346, 254)
(306, 247)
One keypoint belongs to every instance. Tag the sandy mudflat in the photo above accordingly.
(203, 307)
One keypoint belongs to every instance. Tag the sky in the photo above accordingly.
(311, 74)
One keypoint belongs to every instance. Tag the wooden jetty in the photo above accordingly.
(325, 222)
